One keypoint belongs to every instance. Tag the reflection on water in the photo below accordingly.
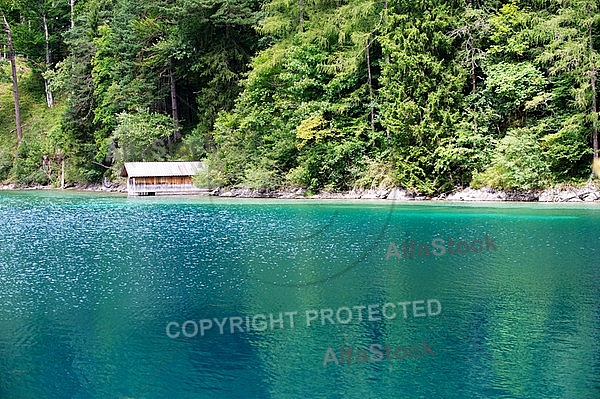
(89, 283)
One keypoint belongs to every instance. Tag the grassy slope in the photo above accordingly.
(37, 120)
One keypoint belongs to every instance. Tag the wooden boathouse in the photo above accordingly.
(161, 178)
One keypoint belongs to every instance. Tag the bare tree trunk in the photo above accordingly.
(175, 111)
(72, 4)
(595, 111)
(471, 47)
(594, 100)
(13, 66)
(62, 172)
(49, 97)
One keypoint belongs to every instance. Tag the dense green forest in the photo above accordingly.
(428, 95)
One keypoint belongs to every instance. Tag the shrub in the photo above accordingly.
(518, 163)
(6, 164)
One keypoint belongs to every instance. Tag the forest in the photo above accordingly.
(324, 95)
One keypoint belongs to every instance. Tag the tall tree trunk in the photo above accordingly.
(175, 111)
(62, 172)
(49, 97)
(594, 100)
(13, 66)
(72, 4)
(595, 113)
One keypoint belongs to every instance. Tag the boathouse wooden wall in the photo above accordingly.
(161, 178)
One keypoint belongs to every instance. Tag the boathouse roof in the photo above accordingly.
(161, 169)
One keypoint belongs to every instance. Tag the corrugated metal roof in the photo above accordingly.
(150, 169)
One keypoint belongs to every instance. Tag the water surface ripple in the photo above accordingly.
(89, 283)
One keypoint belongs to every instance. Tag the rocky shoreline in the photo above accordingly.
(587, 193)
(108, 188)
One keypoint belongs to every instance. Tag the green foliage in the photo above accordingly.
(508, 32)
(509, 86)
(518, 163)
(567, 149)
(375, 173)
(332, 165)
(298, 177)
(141, 136)
(212, 176)
(421, 89)
(261, 177)
(457, 157)
(6, 164)
(28, 168)
(304, 112)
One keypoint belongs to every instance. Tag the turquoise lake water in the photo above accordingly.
(107, 297)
